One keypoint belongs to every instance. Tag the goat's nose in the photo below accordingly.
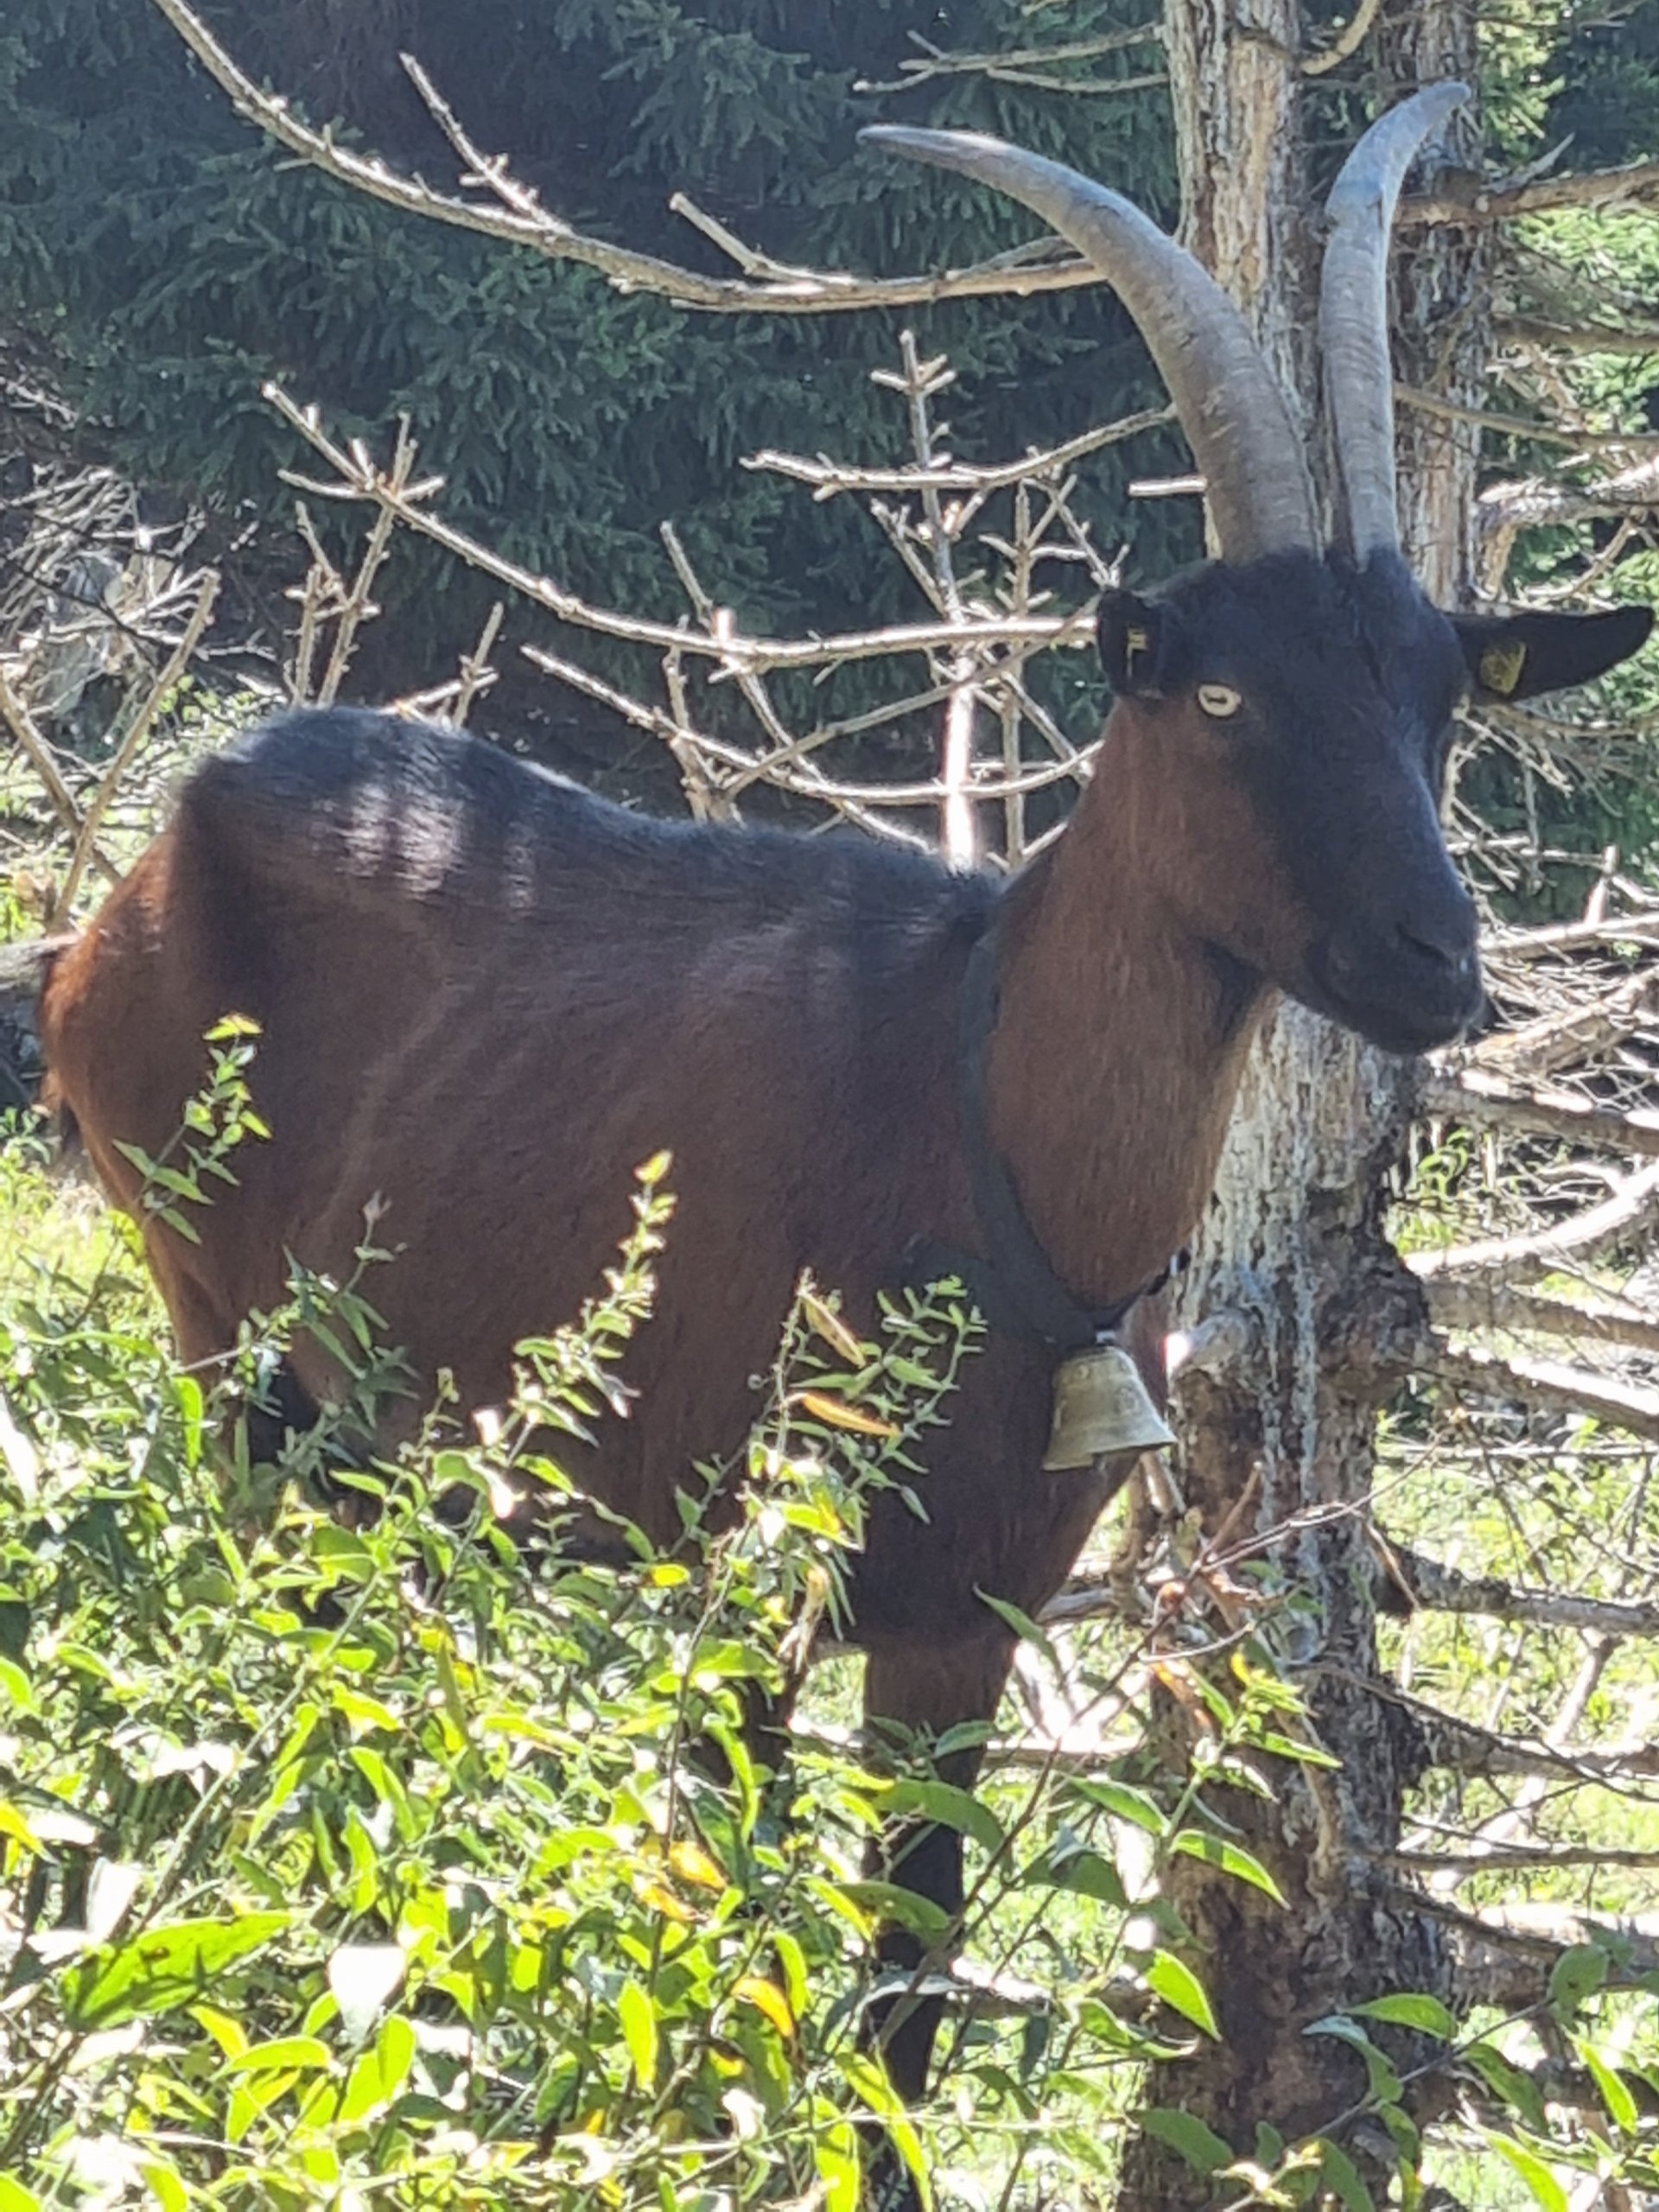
(1446, 947)
(1444, 934)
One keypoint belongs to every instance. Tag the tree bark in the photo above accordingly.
(1294, 1237)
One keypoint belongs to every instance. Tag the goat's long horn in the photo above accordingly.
(1354, 310)
(1231, 407)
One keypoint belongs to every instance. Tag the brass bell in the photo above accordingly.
(1101, 1406)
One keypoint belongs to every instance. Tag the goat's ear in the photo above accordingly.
(1513, 657)
(1139, 644)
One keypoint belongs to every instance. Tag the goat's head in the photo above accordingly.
(1293, 704)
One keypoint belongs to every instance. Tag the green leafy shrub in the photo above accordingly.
(374, 1854)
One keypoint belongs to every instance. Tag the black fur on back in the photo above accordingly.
(394, 803)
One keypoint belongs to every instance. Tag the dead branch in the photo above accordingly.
(1562, 1036)
(1472, 201)
(1589, 337)
(1500, 424)
(1348, 40)
(1519, 1857)
(828, 477)
(1535, 503)
(921, 383)
(1466, 1749)
(1504, 1956)
(1012, 66)
(1488, 1304)
(1629, 1208)
(1443, 1589)
(1474, 1095)
(516, 218)
(1546, 1386)
(38, 754)
(1088, 1598)
(1639, 928)
(358, 479)
(177, 662)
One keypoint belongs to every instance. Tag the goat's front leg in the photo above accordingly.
(929, 1689)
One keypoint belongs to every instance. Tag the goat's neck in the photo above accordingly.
(1117, 1050)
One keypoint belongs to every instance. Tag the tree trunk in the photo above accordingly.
(1293, 1241)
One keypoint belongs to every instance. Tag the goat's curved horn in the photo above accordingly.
(1230, 406)
(1354, 310)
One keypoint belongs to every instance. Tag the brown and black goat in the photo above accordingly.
(485, 995)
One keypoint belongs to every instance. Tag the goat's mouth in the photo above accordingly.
(1407, 1007)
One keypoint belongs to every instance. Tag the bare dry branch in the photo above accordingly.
(1472, 1095)
(830, 477)
(1546, 1386)
(1014, 66)
(1504, 1959)
(38, 754)
(1493, 419)
(1562, 1035)
(517, 219)
(1520, 1858)
(1535, 503)
(176, 662)
(1468, 1750)
(1486, 1304)
(359, 479)
(1639, 928)
(1470, 200)
(1444, 1590)
(1588, 337)
(1349, 40)
(1630, 1206)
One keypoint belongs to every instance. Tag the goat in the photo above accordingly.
(485, 994)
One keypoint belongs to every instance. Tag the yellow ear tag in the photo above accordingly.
(1101, 1406)
(1501, 667)
(1135, 642)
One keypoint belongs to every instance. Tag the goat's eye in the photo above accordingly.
(1219, 700)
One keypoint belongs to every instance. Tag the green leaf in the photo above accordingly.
(367, 2090)
(1180, 1988)
(1125, 1802)
(1615, 2090)
(163, 1967)
(944, 1802)
(299, 2053)
(1382, 2078)
(1532, 2170)
(1086, 1873)
(1576, 1977)
(14, 2197)
(1287, 1747)
(1409, 2149)
(166, 2186)
(1344, 2176)
(1517, 2090)
(886, 1901)
(869, 2081)
(638, 2016)
(1184, 2133)
(839, 2168)
(1024, 1627)
(792, 1960)
(1407, 2008)
(1215, 1851)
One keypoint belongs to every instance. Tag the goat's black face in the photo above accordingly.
(1310, 706)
